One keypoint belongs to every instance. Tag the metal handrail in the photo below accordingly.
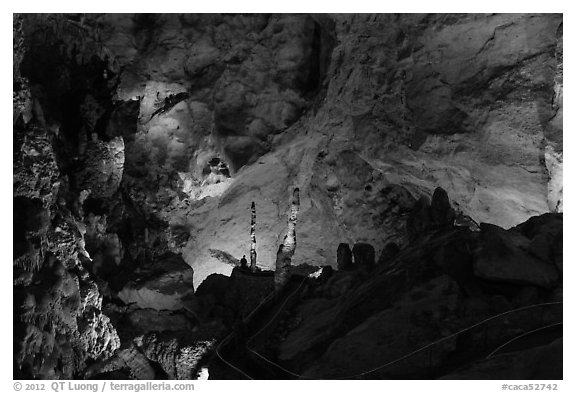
(225, 361)
(280, 309)
(262, 302)
(385, 365)
(408, 355)
(520, 336)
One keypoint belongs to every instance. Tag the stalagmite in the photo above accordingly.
(288, 247)
(364, 254)
(290, 238)
(343, 256)
(253, 239)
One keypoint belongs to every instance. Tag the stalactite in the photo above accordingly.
(288, 247)
(253, 239)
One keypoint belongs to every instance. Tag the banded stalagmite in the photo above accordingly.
(288, 246)
(253, 267)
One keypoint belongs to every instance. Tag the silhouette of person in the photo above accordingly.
(243, 262)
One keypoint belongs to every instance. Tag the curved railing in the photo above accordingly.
(420, 350)
(247, 319)
(219, 348)
(412, 354)
(521, 336)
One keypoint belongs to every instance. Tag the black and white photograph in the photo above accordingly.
(286, 196)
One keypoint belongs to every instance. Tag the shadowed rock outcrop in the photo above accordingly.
(344, 256)
(363, 255)
(388, 253)
(508, 256)
(441, 212)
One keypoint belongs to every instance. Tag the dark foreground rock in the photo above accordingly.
(354, 324)
(505, 256)
(162, 284)
(542, 362)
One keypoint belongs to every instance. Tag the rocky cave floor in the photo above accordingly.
(394, 182)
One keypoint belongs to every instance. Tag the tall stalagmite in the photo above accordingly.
(253, 239)
(288, 247)
(290, 238)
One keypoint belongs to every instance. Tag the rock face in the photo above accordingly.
(157, 356)
(345, 106)
(509, 256)
(103, 166)
(59, 325)
(178, 360)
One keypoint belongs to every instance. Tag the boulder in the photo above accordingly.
(441, 212)
(179, 357)
(502, 256)
(364, 254)
(390, 251)
(344, 256)
(545, 234)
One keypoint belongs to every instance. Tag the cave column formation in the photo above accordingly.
(288, 247)
(253, 239)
